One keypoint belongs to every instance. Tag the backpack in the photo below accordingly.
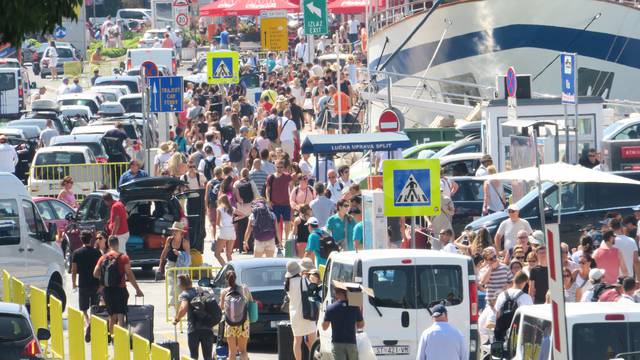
(600, 289)
(235, 150)
(213, 192)
(264, 228)
(208, 168)
(185, 178)
(235, 307)
(246, 191)
(505, 315)
(327, 245)
(205, 309)
(310, 305)
(110, 275)
(271, 128)
(227, 133)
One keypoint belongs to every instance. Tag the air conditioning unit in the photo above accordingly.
(523, 90)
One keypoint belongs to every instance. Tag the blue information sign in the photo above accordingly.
(59, 32)
(568, 77)
(165, 93)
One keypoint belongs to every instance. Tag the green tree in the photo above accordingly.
(20, 17)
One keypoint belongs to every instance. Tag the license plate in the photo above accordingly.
(391, 350)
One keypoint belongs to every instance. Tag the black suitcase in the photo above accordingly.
(140, 320)
(173, 346)
(285, 343)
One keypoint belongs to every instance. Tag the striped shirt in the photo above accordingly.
(259, 177)
(499, 279)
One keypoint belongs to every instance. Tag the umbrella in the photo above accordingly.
(351, 6)
(246, 7)
(561, 173)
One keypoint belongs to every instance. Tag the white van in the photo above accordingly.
(28, 250)
(594, 331)
(159, 56)
(405, 283)
(14, 92)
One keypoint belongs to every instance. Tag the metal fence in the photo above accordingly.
(46, 180)
(171, 284)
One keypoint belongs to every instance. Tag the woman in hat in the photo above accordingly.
(173, 246)
(301, 327)
(281, 104)
(162, 157)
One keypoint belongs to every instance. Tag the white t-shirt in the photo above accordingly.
(161, 159)
(225, 121)
(450, 248)
(508, 229)
(306, 167)
(353, 26)
(193, 182)
(288, 127)
(627, 246)
(522, 300)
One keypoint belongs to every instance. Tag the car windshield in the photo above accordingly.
(9, 223)
(14, 328)
(41, 124)
(132, 105)
(264, 276)
(59, 158)
(64, 52)
(95, 147)
(613, 128)
(86, 102)
(7, 81)
(589, 342)
(132, 85)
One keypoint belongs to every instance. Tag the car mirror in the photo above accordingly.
(70, 216)
(497, 349)
(43, 334)
(204, 282)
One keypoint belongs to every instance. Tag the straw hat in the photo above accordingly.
(177, 226)
(165, 147)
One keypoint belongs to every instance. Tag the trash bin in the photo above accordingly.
(285, 342)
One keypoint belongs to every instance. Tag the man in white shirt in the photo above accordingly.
(485, 162)
(628, 288)
(316, 69)
(225, 120)
(509, 228)
(353, 26)
(287, 132)
(302, 50)
(334, 186)
(627, 246)
(8, 156)
(47, 134)
(64, 88)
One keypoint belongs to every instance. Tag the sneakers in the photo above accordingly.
(87, 334)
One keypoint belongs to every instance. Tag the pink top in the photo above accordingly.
(301, 196)
(69, 198)
(609, 260)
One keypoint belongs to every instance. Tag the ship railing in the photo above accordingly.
(391, 15)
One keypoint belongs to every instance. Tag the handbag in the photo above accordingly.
(252, 309)
(285, 304)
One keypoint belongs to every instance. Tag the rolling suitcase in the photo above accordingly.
(140, 319)
(173, 346)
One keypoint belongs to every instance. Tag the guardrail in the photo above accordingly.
(387, 16)
(14, 291)
(46, 180)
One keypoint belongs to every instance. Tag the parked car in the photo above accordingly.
(469, 144)
(24, 146)
(92, 100)
(132, 103)
(139, 15)
(468, 201)
(152, 206)
(265, 278)
(132, 82)
(65, 54)
(118, 150)
(151, 36)
(73, 111)
(54, 211)
(15, 90)
(583, 204)
(45, 178)
(463, 164)
(19, 339)
(414, 151)
(99, 147)
(41, 124)
(625, 129)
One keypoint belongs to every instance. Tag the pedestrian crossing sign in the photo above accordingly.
(223, 67)
(411, 187)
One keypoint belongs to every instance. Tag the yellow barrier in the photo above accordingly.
(140, 348)
(72, 68)
(38, 310)
(121, 343)
(75, 333)
(6, 286)
(45, 180)
(17, 291)
(321, 270)
(160, 353)
(187, 358)
(171, 277)
(57, 330)
(99, 348)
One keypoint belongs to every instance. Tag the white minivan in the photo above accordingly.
(405, 282)
(28, 250)
(159, 56)
(599, 330)
(14, 92)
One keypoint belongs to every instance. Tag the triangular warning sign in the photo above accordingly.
(412, 193)
(222, 71)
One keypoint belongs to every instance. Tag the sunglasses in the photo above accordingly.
(345, 206)
(520, 257)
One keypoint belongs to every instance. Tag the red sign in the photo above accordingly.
(389, 120)
(149, 68)
(182, 19)
(180, 3)
(630, 152)
(512, 82)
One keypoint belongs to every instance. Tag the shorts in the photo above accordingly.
(87, 297)
(283, 211)
(241, 331)
(122, 242)
(264, 246)
(226, 233)
(213, 214)
(116, 299)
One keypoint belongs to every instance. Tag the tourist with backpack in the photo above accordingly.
(507, 303)
(245, 191)
(208, 163)
(341, 225)
(262, 224)
(203, 313)
(303, 321)
(302, 194)
(239, 149)
(174, 246)
(194, 179)
(114, 270)
(320, 244)
(270, 125)
(596, 286)
(211, 199)
(233, 302)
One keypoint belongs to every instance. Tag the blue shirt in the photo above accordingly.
(271, 64)
(313, 244)
(128, 176)
(224, 38)
(336, 226)
(181, 142)
(343, 319)
(358, 234)
(443, 342)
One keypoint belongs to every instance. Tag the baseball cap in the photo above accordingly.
(244, 129)
(227, 108)
(537, 238)
(513, 207)
(596, 274)
(438, 310)
(224, 158)
(312, 221)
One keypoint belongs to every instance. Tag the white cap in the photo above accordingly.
(596, 274)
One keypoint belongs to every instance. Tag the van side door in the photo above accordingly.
(36, 260)
(12, 246)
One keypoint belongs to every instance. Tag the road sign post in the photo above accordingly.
(165, 93)
(315, 17)
(390, 120)
(273, 30)
(569, 80)
(223, 67)
(512, 88)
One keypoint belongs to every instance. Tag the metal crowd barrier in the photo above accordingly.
(171, 288)
(45, 180)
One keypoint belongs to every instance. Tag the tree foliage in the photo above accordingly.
(21, 17)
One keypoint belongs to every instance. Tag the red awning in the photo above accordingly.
(246, 7)
(351, 6)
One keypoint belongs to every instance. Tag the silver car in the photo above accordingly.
(65, 54)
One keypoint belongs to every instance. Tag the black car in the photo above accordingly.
(470, 144)
(18, 340)
(582, 204)
(468, 200)
(264, 277)
(152, 206)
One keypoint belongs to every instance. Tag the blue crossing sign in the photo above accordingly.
(165, 93)
(411, 187)
(568, 77)
(59, 32)
(223, 67)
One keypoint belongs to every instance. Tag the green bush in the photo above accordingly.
(128, 35)
(131, 43)
(113, 52)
